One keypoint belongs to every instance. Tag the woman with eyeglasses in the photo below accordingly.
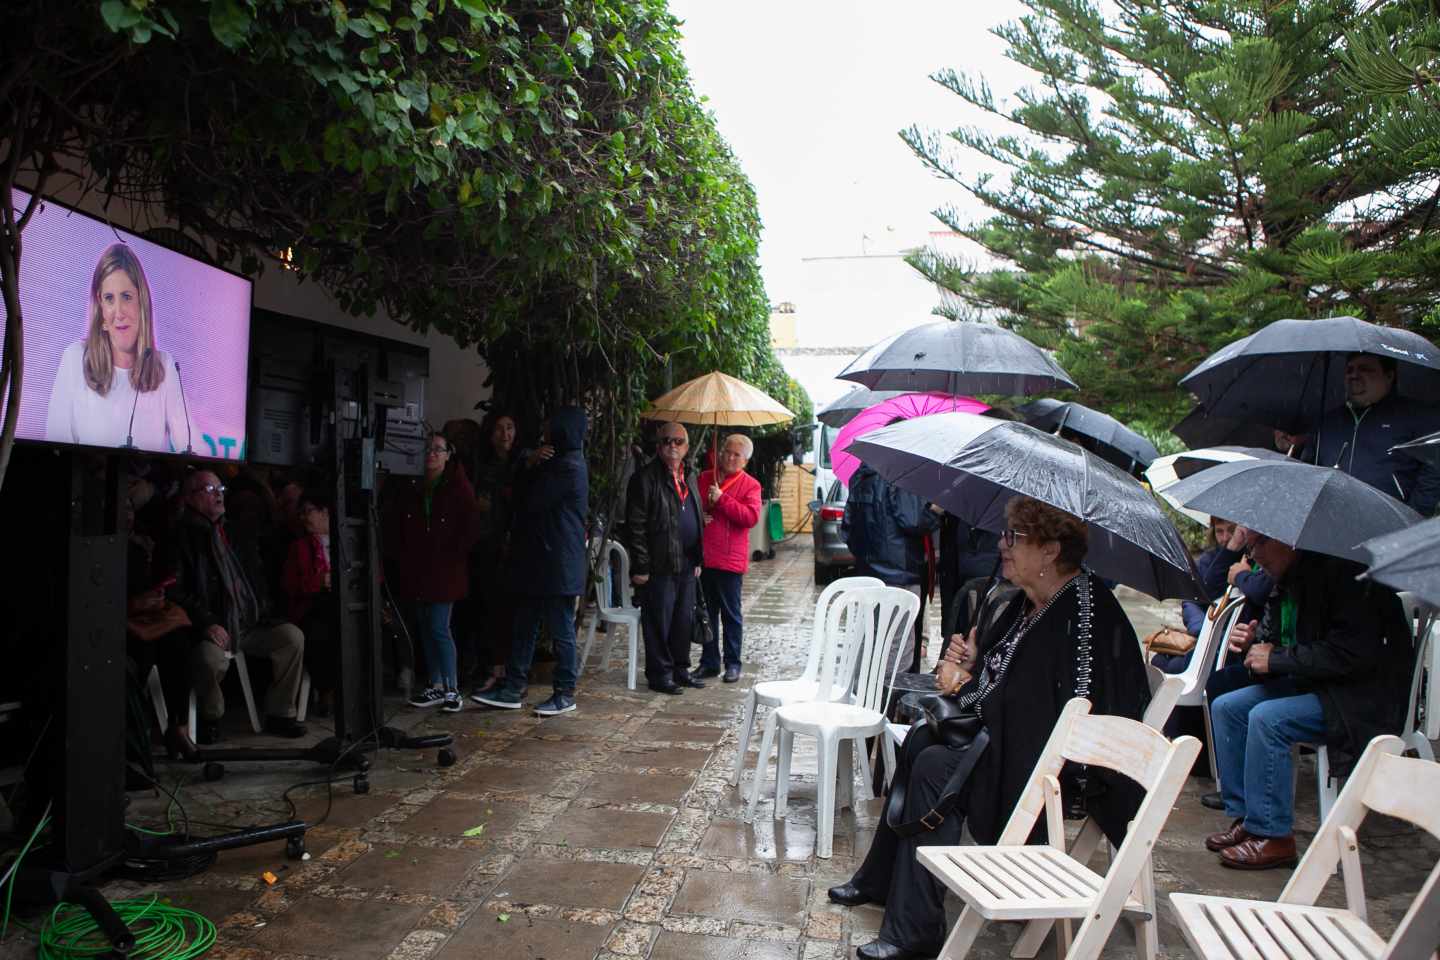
(1062, 635)
(430, 525)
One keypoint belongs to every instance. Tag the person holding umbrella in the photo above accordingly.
(1329, 659)
(1062, 635)
(1373, 419)
(1330, 662)
(732, 507)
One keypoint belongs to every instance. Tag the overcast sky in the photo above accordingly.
(812, 95)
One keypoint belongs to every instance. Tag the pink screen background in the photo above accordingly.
(202, 319)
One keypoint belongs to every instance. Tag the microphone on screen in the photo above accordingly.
(180, 381)
(129, 443)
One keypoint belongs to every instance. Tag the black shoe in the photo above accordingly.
(671, 688)
(287, 727)
(705, 673)
(1212, 801)
(849, 895)
(688, 681)
(732, 673)
(881, 950)
(208, 733)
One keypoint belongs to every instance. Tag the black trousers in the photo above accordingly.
(667, 611)
(171, 654)
(914, 900)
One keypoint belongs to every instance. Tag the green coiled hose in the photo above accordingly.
(162, 932)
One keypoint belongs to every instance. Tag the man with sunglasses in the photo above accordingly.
(1330, 663)
(664, 523)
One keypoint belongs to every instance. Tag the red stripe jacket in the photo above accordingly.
(727, 534)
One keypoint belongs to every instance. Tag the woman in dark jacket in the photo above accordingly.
(548, 562)
(1062, 635)
(429, 529)
(495, 470)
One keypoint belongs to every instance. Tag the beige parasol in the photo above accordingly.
(718, 398)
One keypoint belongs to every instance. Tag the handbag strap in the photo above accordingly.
(949, 796)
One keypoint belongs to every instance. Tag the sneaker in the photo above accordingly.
(453, 702)
(732, 673)
(559, 703)
(429, 697)
(503, 699)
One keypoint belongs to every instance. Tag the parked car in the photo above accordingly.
(831, 553)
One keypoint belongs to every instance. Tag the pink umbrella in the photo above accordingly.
(904, 407)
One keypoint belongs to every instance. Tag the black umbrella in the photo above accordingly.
(1202, 429)
(960, 358)
(1308, 507)
(972, 465)
(1408, 559)
(839, 412)
(1290, 372)
(1426, 449)
(1110, 438)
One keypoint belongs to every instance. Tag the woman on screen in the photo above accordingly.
(114, 389)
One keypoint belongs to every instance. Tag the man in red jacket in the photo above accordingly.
(732, 507)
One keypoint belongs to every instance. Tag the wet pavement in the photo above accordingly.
(613, 833)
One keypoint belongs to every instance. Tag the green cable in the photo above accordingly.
(162, 932)
(14, 872)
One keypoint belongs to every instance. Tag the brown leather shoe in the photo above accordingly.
(1260, 853)
(1227, 838)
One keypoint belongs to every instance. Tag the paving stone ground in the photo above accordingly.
(613, 834)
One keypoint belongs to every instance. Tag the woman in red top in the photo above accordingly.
(305, 579)
(430, 526)
(732, 507)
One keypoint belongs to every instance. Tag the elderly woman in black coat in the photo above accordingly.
(1062, 635)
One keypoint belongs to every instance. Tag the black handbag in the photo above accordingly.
(700, 633)
(958, 729)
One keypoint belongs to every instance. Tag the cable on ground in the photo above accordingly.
(162, 931)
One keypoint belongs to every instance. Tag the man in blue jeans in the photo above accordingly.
(1331, 659)
(547, 555)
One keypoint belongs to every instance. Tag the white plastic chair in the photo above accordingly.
(776, 693)
(625, 613)
(1293, 927)
(1039, 883)
(881, 616)
(302, 705)
(1222, 653)
(1422, 715)
(157, 698)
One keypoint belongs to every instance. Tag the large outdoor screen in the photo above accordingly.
(127, 343)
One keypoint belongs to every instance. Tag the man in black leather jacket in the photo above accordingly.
(663, 523)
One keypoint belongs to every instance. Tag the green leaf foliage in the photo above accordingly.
(537, 180)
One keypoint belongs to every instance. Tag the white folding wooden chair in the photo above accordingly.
(1164, 692)
(1219, 618)
(882, 617)
(614, 566)
(1421, 724)
(1293, 927)
(777, 693)
(1016, 881)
